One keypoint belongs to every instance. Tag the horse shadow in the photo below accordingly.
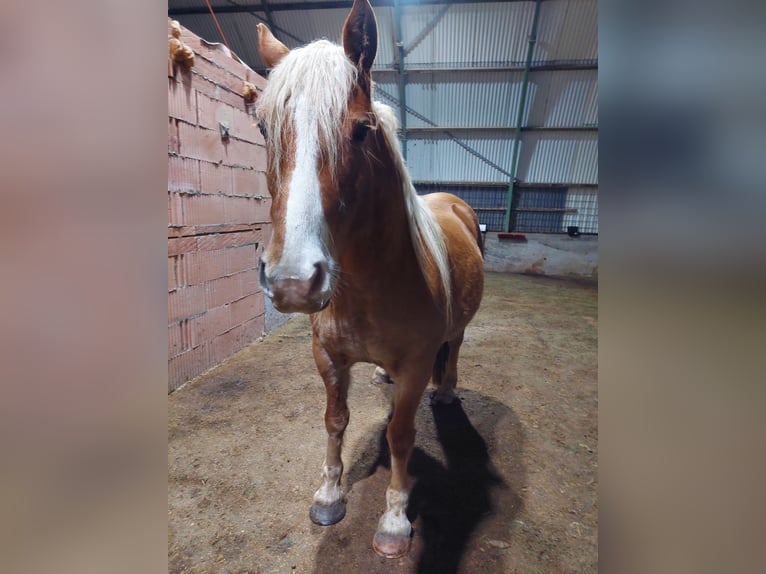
(460, 499)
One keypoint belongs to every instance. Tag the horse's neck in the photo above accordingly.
(379, 238)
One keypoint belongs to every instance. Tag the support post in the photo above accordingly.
(520, 113)
(401, 79)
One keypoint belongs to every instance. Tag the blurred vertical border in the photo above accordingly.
(682, 281)
(84, 332)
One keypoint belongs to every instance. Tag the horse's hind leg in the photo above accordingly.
(329, 504)
(445, 371)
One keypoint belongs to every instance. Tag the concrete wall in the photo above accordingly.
(543, 254)
(218, 213)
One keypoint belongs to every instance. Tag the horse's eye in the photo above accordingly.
(359, 132)
(262, 128)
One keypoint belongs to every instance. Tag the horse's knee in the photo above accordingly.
(336, 422)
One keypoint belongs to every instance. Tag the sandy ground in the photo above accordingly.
(505, 479)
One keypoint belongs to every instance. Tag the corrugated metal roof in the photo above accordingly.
(558, 157)
(566, 98)
(561, 99)
(567, 30)
(316, 24)
(469, 33)
(465, 98)
(442, 159)
(544, 157)
(465, 35)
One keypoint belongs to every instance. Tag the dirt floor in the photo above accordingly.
(505, 479)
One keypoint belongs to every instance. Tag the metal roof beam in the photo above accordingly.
(421, 132)
(553, 66)
(323, 5)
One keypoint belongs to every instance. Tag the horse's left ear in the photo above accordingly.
(360, 35)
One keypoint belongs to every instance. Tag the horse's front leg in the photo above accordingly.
(329, 504)
(392, 538)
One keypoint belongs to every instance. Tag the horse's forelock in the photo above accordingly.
(318, 76)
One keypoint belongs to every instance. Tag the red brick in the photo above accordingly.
(173, 138)
(203, 209)
(226, 344)
(253, 329)
(203, 266)
(200, 143)
(212, 90)
(246, 308)
(174, 339)
(204, 144)
(215, 178)
(187, 365)
(218, 75)
(241, 259)
(247, 210)
(182, 76)
(175, 209)
(211, 112)
(245, 154)
(245, 127)
(213, 53)
(183, 174)
(250, 182)
(223, 290)
(186, 302)
(249, 282)
(182, 102)
(216, 321)
(261, 210)
(222, 240)
(172, 282)
(264, 232)
(176, 272)
(180, 337)
(181, 245)
(235, 210)
(190, 230)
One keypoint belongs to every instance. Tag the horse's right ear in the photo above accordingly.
(271, 50)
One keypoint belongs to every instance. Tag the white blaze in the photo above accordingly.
(305, 227)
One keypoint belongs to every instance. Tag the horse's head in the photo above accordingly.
(315, 114)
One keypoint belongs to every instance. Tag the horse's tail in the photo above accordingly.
(480, 238)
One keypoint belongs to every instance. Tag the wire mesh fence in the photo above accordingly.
(553, 209)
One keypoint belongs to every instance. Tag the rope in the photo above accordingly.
(220, 31)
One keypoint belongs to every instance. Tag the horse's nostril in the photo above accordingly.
(262, 275)
(317, 279)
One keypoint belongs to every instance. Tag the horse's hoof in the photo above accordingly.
(390, 545)
(380, 377)
(442, 397)
(325, 515)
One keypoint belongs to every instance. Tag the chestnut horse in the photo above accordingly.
(388, 277)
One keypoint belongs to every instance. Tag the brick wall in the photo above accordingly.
(218, 213)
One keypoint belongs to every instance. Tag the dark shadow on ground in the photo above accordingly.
(461, 505)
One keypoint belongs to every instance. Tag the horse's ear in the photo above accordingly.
(271, 50)
(360, 35)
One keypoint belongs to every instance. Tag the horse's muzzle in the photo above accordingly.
(298, 295)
